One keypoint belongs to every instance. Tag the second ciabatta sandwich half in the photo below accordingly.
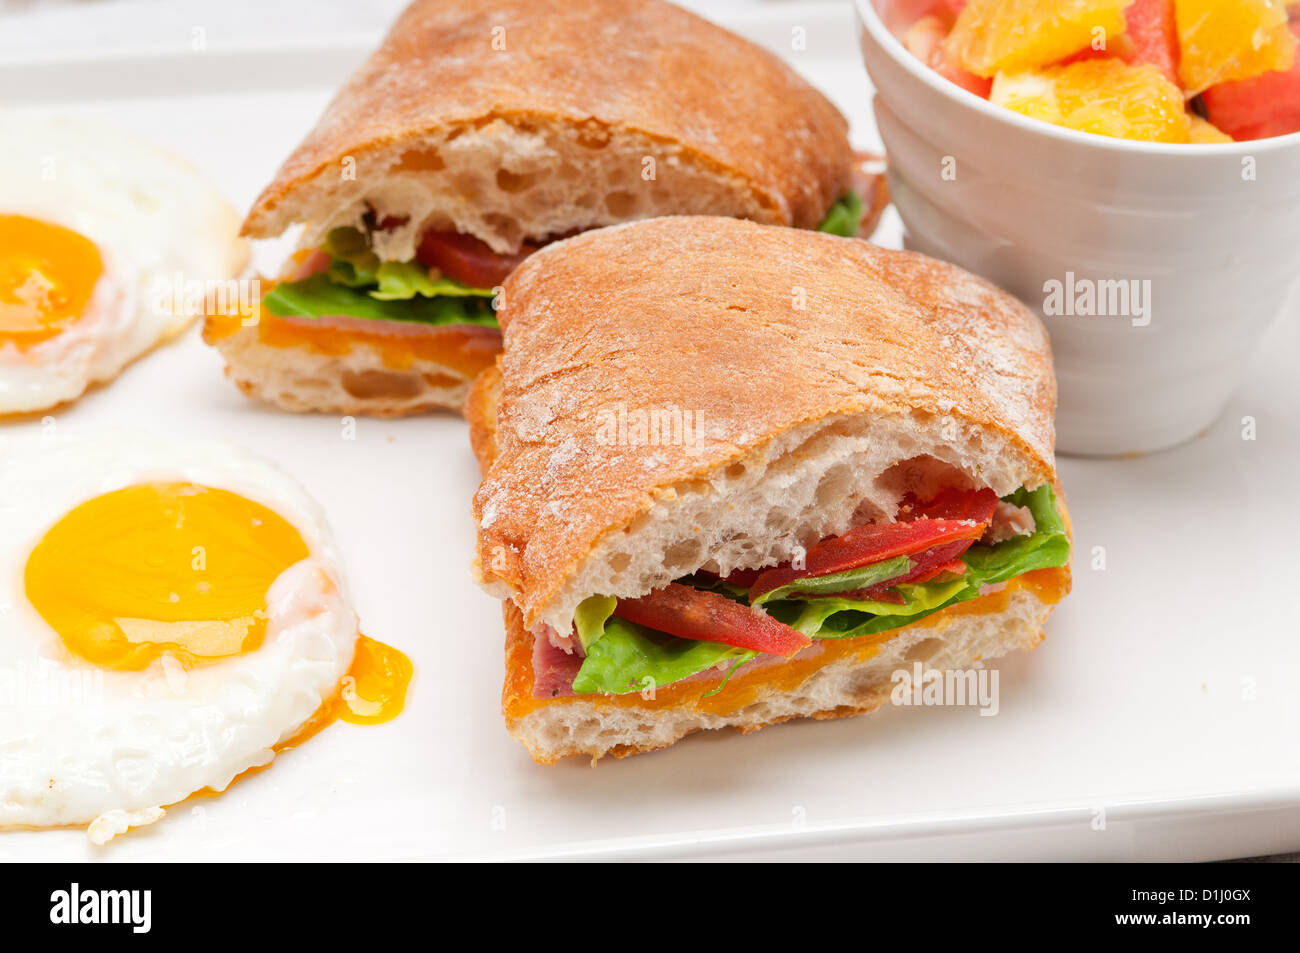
(479, 131)
(754, 488)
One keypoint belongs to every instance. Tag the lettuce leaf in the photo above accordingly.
(831, 618)
(844, 216)
(1047, 546)
(590, 617)
(318, 297)
(631, 658)
(403, 280)
(351, 247)
(861, 578)
(350, 275)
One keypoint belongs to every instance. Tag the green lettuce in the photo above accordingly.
(862, 577)
(844, 216)
(318, 297)
(359, 285)
(1046, 547)
(623, 657)
(835, 618)
(403, 280)
(590, 617)
(631, 658)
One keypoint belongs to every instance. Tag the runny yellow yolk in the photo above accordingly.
(161, 567)
(47, 275)
(374, 690)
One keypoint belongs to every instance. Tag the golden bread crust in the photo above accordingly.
(753, 329)
(481, 413)
(639, 65)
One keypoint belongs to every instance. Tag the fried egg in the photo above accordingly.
(97, 230)
(171, 615)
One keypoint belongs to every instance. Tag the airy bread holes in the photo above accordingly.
(365, 385)
(504, 225)
(466, 185)
(441, 381)
(924, 650)
(420, 160)
(620, 204)
(923, 476)
(835, 484)
(683, 556)
(593, 137)
(508, 181)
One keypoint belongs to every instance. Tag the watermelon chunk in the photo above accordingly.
(1262, 106)
(927, 40)
(1153, 33)
(909, 11)
(1151, 37)
(947, 64)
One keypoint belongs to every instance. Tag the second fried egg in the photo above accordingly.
(93, 224)
(171, 614)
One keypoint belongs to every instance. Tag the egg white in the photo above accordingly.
(151, 215)
(79, 742)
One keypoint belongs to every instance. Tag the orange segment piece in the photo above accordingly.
(1105, 97)
(992, 36)
(1225, 40)
(1206, 133)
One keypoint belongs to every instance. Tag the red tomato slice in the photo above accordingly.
(925, 566)
(744, 577)
(933, 561)
(465, 259)
(739, 577)
(957, 567)
(868, 544)
(709, 617)
(952, 504)
(954, 517)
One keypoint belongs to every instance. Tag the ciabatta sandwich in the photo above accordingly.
(478, 132)
(753, 489)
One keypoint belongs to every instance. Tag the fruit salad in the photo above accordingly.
(1183, 71)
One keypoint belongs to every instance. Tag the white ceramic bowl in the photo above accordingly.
(1210, 235)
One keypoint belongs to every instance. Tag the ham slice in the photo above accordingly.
(553, 669)
(1010, 521)
(395, 329)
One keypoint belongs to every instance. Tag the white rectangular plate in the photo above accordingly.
(1164, 700)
